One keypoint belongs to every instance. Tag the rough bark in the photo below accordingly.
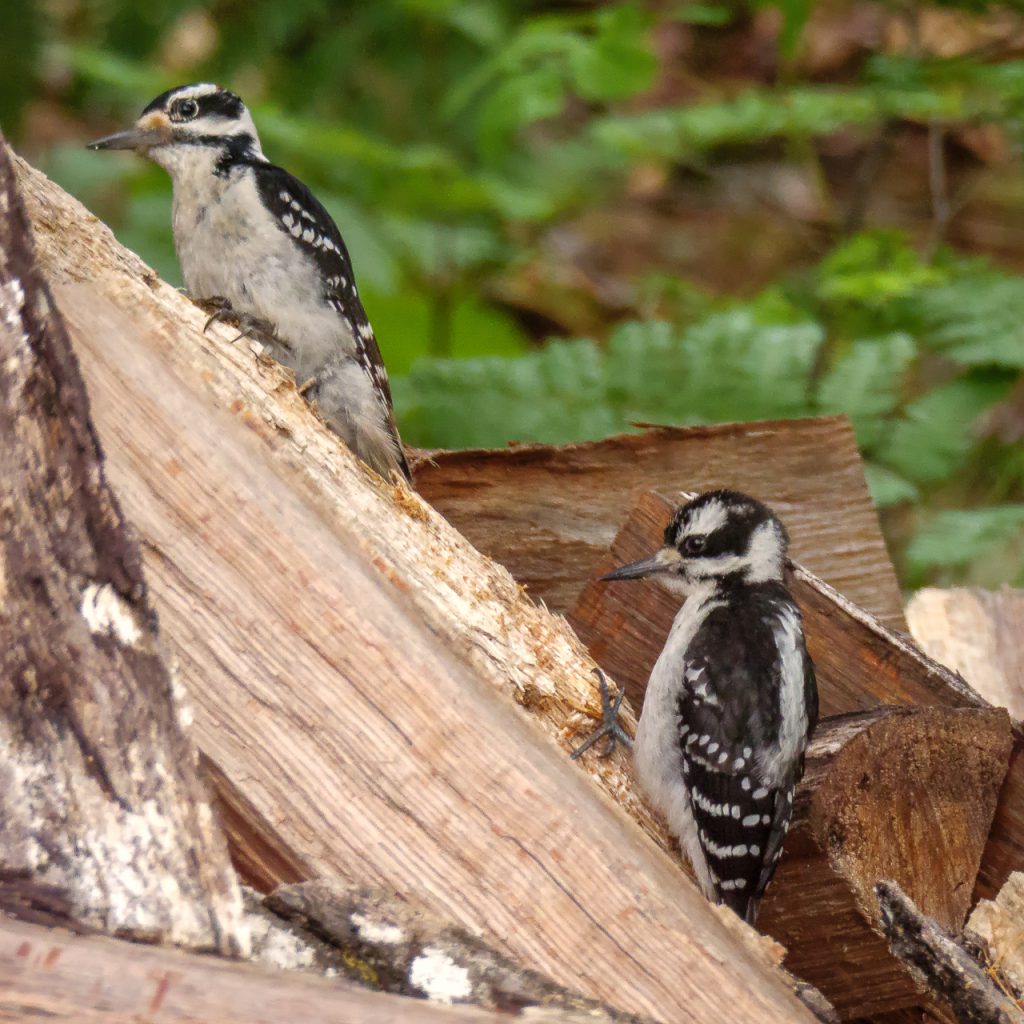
(996, 931)
(942, 967)
(356, 666)
(406, 950)
(549, 514)
(63, 979)
(905, 794)
(103, 819)
(977, 633)
(859, 662)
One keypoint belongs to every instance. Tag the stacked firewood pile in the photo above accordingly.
(359, 704)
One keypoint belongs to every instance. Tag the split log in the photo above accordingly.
(996, 931)
(356, 665)
(944, 969)
(905, 794)
(46, 974)
(105, 822)
(859, 662)
(549, 514)
(977, 633)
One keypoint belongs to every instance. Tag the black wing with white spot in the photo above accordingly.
(731, 711)
(312, 228)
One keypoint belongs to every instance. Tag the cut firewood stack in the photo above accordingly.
(376, 703)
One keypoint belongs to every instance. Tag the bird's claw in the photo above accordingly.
(249, 326)
(609, 726)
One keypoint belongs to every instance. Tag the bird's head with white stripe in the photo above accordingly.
(717, 538)
(188, 123)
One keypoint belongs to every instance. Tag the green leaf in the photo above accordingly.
(517, 102)
(960, 537)
(935, 434)
(888, 488)
(618, 61)
(555, 395)
(874, 268)
(977, 319)
(703, 14)
(729, 366)
(865, 382)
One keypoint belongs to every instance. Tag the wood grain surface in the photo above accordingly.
(978, 633)
(899, 793)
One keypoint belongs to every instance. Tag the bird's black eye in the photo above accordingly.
(691, 546)
(186, 109)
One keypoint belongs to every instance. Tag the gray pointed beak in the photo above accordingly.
(132, 138)
(664, 560)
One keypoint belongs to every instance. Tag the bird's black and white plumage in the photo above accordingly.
(251, 236)
(732, 699)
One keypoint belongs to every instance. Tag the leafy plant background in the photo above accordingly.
(569, 217)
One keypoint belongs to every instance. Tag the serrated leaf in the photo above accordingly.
(934, 436)
(553, 396)
(864, 383)
(960, 537)
(977, 319)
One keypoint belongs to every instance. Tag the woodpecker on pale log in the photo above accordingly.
(732, 699)
(256, 245)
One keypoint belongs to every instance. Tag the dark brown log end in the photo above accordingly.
(898, 793)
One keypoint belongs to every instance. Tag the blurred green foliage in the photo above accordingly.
(448, 137)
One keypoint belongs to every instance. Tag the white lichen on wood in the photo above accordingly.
(106, 613)
(439, 977)
(376, 931)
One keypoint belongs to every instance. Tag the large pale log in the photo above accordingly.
(905, 794)
(977, 633)
(356, 665)
(859, 662)
(103, 817)
(549, 514)
(50, 975)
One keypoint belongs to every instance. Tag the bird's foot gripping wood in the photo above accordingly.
(609, 723)
(249, 326)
